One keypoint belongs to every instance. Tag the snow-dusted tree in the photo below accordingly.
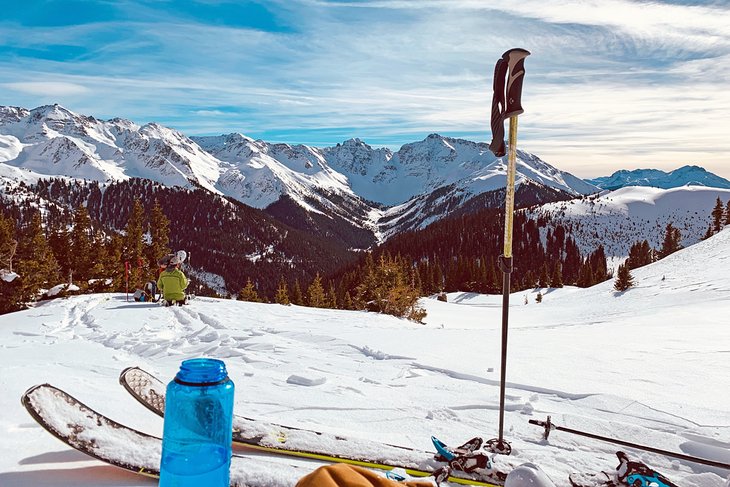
(624, 279)
(727, 213)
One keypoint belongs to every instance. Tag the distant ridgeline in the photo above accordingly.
(87, 231)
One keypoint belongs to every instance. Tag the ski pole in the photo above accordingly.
(549, 426)
(506, 103)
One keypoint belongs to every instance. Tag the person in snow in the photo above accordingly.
(172, 282)
(344, 475)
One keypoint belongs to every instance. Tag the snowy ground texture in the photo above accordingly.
(651, 365)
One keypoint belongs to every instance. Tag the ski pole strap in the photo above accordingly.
(549, 426)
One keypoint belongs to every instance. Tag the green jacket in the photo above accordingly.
(172, 283)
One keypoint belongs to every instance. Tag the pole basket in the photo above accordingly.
(495, 445)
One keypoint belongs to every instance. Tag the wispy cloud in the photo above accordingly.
(46, 88)
(610, 84)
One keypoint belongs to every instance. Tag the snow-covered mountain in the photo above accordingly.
(648, 366)
(620, 218)
(684, 176)
(352, 182)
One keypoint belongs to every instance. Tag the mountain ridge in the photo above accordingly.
(351, 182)
(688, 175)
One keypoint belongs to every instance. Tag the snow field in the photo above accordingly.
(649, 365)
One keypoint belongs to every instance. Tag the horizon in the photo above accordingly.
(609, 85)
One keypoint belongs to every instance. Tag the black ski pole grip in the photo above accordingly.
(515, 60)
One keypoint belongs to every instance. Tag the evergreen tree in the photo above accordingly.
(8, 244)
(529, 281)
(544, 276)
(624, 279)
(282, 293)
(557, 278)
(727, 213)
(585, 279)
(98, 283)
(249, 293)
(572, 262)
(10, 291)
(82, 257)
(347, 301)
(297, 295)
(599, 265)
(386, 288)
(717, 214)
(134, 246)
(640, 254)
(159, 226)
(671, 242)
(112, 266)
(315, 293)
(708, 233)
(37, 266)
(332, 296)
(59, 239)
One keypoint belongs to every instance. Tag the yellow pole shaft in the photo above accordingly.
(509, 203)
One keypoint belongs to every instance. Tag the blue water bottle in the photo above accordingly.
(196, 442)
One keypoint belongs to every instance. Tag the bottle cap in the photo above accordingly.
(202, 372)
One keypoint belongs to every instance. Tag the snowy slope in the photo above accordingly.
(618, 219)
(648, 365)
(261, 173)
(53, 141)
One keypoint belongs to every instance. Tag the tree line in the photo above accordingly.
(90, 246)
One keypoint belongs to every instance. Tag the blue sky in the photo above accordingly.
(610, 84)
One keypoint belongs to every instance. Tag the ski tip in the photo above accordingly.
(442, 449)
(124, 373)
(25, 397)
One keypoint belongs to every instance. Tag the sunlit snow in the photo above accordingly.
(650, 365)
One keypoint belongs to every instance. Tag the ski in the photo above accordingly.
(601, 479)
(327, 447)
(549, 426)
(628, 473)
(92, 433)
